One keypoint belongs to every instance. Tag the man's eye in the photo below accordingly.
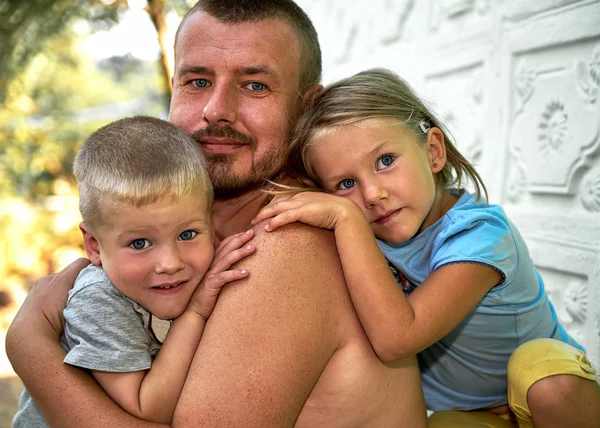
(256, 86)
(385, 161)
(200, 83)
(187, 235)
(347, 184)
(139, 244)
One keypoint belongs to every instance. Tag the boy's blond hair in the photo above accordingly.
(138, 161)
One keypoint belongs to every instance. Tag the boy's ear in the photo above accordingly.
(437, 149)
(309, 96)
(91, 245)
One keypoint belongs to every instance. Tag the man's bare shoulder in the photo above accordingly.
(297, 242)
(271, 334)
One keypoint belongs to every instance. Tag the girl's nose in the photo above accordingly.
(374, 193)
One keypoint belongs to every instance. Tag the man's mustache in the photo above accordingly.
(224, 132)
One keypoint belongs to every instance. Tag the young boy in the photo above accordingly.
(146, 201)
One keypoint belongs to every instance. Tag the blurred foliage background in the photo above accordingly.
(53, 94)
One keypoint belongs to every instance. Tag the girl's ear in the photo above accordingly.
(437, 149)
(91, 245)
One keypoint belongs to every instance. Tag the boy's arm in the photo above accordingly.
(67, 396)
(152, 394)
(270, 335)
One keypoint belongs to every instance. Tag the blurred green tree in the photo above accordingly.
(25, 25)
(53, 96)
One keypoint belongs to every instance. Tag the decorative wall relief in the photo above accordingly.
(459, 93)
(391, 28)
(517, 181)
(590, 191)
(449, 13)
(555, 125)
(454, 8)
(553, 130)
(576, 299)
(347, 23)
(524, 83)
(588, 74)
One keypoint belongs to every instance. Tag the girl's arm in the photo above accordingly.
(153, 394)
(397, 326)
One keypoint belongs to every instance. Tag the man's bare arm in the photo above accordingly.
(67, 396)
(269, 337)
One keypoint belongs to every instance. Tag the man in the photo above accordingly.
(284, 347)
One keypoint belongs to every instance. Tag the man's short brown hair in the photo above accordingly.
(239, 11)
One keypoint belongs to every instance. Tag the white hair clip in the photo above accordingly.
(425, 126)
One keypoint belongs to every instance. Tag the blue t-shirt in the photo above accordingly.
(467, 369)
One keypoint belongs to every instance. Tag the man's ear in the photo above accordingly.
(91, 245)
(437, 149)
(309, 96)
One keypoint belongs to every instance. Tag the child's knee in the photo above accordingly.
(542, 372)
(554, 391)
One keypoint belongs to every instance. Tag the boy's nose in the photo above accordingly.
(169, 261)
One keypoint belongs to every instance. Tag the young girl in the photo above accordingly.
(462, 291)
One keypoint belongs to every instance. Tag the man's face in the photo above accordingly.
(234, 91)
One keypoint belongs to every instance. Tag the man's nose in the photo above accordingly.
(169, 260)
(373, 193)
(221, 106)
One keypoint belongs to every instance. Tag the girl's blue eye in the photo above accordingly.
(385, 161)
(187, 235)
(347, 184)
(200, 83)
(139, 244)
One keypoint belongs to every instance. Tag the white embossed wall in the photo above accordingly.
(518, 84)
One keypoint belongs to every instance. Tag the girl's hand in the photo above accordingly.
(313, 208)
(230, 251)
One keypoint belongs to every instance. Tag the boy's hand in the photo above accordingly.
(313, 208)
(230, 251)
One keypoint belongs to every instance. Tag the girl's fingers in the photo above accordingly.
(276, 209)
(282, 219)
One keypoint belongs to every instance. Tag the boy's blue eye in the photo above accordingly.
(385, 161)
(187, 235)
(347, 184)
(139, 244)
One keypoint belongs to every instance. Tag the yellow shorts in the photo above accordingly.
(530, 362)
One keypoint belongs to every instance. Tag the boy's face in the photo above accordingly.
(156, 254)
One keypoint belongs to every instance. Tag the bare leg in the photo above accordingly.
(564, 401)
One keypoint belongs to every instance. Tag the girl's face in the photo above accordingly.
(386, 171)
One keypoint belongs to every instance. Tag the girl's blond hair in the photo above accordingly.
(373, 94)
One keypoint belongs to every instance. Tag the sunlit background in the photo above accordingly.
(517, 83)
(66, 68)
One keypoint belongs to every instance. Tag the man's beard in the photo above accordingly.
(226, 182)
